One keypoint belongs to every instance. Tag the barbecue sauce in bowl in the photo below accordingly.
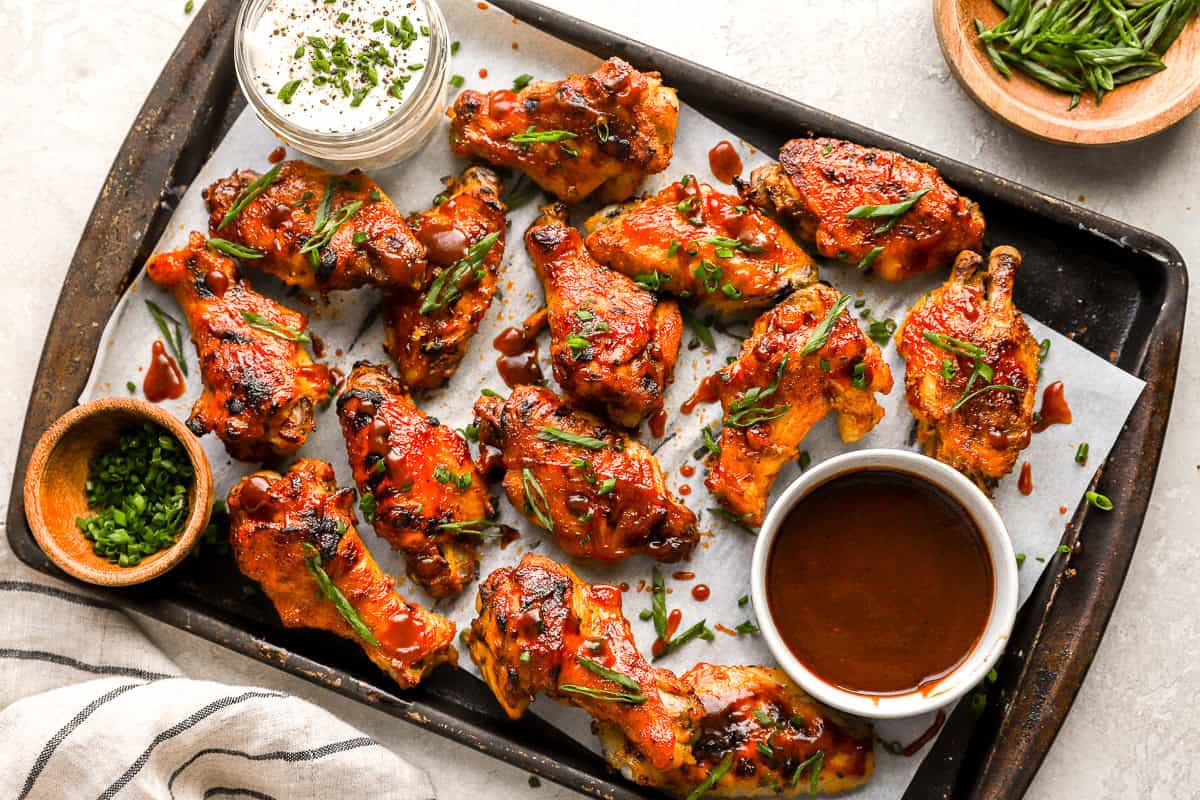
(880, 582)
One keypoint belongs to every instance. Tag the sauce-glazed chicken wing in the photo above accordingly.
(762, 734)
(827, 188)
(970, 368)
(600, 492)
(260, 385)
(542, 629)
(693, 241)
(613, 344)
(294, 535)
(356, 236)
(428, 330)
(804, 358)
(603, 132)
(421, 490)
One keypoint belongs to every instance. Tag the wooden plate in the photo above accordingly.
(1129, 112)
(54, 489)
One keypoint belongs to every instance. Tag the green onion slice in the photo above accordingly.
(257, 187)
(549, 434)
(261, 323)
(312, 557)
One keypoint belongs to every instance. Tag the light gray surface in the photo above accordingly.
(78, 73)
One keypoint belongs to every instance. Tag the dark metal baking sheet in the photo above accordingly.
(1117, 289)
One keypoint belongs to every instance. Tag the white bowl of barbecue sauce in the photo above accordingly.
(357, 83)
(885, 583)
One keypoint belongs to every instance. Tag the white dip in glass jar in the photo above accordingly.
(358, 83)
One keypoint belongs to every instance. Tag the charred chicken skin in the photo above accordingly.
(294, 535)
(836, 194)
(419, 487)
(970, 368)
(428, 331)
(804, 358)
(260, 385)
(692, 241)
(600, 492)
(776, 741)
(603, 132)
(542, 629)
(356, 236)
(613, 344)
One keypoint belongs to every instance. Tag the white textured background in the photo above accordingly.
(76, 73)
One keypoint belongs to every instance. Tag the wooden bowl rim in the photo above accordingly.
(94, 569)
(1043, 124)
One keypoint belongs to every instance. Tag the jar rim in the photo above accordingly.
(417, 106)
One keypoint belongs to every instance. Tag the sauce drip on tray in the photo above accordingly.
(1055, 410)
(518, 347)
(1025, 481)
(163, 379)
(724, 162)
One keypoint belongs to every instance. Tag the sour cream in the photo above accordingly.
(338, 67)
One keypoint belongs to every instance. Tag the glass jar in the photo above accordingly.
(390, 140)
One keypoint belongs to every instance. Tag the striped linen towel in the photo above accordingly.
(89, 708)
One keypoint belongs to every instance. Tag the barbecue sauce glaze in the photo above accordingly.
(880, 582)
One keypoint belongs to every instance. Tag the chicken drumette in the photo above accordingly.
(693, 241)
(970, 368)
(600, 492)
(542, 629)
(419, 487)
(260, 385)
(294, 535)
(317, 230)
(762, 734)
(613, 344)
(602, 132)
(854, 203)
(428, 330)
(804, 357)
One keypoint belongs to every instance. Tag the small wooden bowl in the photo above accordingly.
(1128, 113)
(54, 489)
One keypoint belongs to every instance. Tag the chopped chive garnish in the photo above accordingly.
(532, 135)
(748, 409)
(535, 499)
(697, 631)
(233, 249)
(714, 776)
(312, 557)
(619, 678)
(869, 258)
(603, 694)
(259, 322)
(253, 190)
(889, 211)
(445, 287)
(549, 434)
(172, 331)
(820, 334)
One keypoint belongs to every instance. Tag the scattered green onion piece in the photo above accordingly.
(312, 557)
(261, 323)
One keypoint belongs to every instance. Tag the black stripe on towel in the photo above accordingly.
(74, 663)
(178, 728)
(290, 757)
(65, 731)
(226, 791)
(53, 591)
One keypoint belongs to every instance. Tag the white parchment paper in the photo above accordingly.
(1100, 394)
